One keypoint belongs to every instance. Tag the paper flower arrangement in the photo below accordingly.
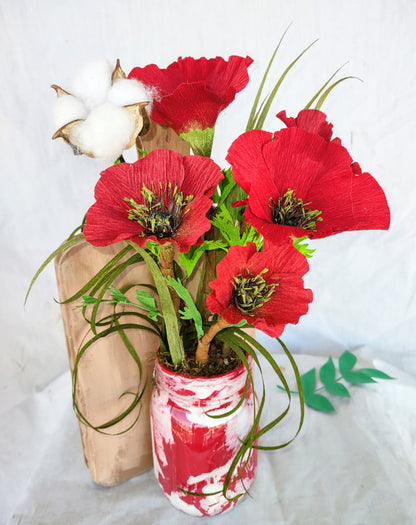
(238, 231)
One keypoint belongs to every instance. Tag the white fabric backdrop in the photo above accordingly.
(364, 283)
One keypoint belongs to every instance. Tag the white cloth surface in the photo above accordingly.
(353, 467)
(356, 466)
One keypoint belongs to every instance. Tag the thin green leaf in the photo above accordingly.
(191, 311)
(153, 247)
(346, 363)
(80, 354)
(87, 300)
(105, 285)
(373, 372)
(243, 455)
(190, 259)
(233, 410)
(231, 233)
(225, 186)
(110, 320)
(303, 248)
(325, 94)
(327, 372)
(253, 343)
(77, 229)
(309, 104)
(327, 376)
(118, 296)
(148, 303)
(301, 396)
(337, 389)
(261, 107)
(169, 315)
(251, 120)
(308, 382)
(264, 113)
(67, 244)
(319, 402)
(313, 400)
(142, 152)
(101, 276)
(357, 378)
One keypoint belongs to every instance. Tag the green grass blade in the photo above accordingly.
(107, 282)
(252, 117)
(67, 244)
(261, 107)
(325, 94)
(169, 315)
(79, 228)
(309, 104)
(120, 329)
(190, 311)
(264, 113)
(100, 276)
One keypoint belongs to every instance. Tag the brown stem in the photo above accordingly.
(202, 350)
(209, 273)
(166, 256)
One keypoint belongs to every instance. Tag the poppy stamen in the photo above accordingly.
(251, 292)
(291, 211)
(160, 215)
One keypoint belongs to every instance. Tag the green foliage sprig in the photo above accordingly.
(330, 382)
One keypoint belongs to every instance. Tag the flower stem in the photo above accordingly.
(202, 350)
(208, 273)
(166, 256)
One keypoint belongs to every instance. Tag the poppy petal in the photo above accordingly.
(190, 93)
(311, 120)
(284, 267)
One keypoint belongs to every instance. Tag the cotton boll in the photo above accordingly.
(128, 91)
(92, 82)
(106, 132)
(68, 108)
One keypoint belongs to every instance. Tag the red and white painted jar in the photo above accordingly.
(192, 451)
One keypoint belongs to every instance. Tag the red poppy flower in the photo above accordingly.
(311, 120)
(163, 197)
(314, 121)
(300, 184)
(190, 93)
(264, 288)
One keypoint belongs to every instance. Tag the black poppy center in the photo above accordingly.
(251, 292)
(161, 212)
(291, 211)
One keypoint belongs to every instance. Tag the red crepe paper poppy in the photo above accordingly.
(315, 121)
(275, 274)
(163, 197)
(311, 120)
(190, 93)
(299, 184)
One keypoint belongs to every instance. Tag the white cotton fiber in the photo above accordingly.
(92, 82)
(106, 132)
(68, 108)
(128, 91)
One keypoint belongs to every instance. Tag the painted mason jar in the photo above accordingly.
(192, 451)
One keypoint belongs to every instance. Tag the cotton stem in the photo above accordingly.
(202, 350)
